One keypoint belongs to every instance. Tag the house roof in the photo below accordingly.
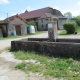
(3, 22)
(40, 13)
(15, 16)
(47, 15)
(34, 14)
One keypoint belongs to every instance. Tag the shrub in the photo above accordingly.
(70, 27)
(78, 20)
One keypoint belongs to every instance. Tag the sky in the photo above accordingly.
(13, 7)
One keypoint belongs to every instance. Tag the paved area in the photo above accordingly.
(6, 43)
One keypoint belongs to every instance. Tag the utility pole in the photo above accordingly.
(7, 17)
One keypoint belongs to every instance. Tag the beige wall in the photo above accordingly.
(17, 21)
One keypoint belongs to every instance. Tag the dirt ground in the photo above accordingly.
(8, 72)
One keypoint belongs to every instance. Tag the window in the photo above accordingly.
(42, 26)
(42, 20)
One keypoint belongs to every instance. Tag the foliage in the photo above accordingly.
(49, 65)
(32, 23)
(68, 15)
(78, 20)
(63, 32)
(70, 27)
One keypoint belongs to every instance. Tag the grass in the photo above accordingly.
(64, 32)
(12, 37)
(9, 37)
(7, 48)
(50, 66)
(37, 32)
(78, 29)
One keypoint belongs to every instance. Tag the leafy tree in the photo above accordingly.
(68, 15)
(32, 23)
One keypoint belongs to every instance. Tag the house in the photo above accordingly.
(17, 25)
(40, 15)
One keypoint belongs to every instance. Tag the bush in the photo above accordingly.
(70, 27)
(78, 20)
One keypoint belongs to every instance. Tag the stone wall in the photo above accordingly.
(13, 23)
(62, 49)
(57, 40)
(1, 33)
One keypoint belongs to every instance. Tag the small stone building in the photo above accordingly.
(17, 25)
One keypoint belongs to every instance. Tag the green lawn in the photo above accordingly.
(63, 32)
(66, 68)
(12, 37)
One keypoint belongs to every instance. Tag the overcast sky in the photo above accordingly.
(18, 6)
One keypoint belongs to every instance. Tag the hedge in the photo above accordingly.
(70, 27)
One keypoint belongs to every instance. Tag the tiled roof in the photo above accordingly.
(13, 17)
(40, 13)
(34, 14)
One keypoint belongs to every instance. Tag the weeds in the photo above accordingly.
(49, 66)
(21, 65)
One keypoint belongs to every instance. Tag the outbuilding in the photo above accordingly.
(17, 25)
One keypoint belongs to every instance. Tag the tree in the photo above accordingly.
(32, 23)
(68, 15)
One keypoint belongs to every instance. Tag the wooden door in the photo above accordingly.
(18, 30)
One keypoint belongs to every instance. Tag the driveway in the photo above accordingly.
(6, 43)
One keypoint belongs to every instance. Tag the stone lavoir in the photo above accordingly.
(51, 45)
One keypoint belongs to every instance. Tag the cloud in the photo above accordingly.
(56, 7)
(13, 14)
(28, 9)
(74, 12)
(78, 4)
(4, 2)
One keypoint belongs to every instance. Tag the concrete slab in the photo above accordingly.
(4, 78)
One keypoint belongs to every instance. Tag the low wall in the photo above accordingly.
(57, 40)
(53, 48)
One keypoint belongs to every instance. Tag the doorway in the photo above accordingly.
(4, 30)
(18, 30)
